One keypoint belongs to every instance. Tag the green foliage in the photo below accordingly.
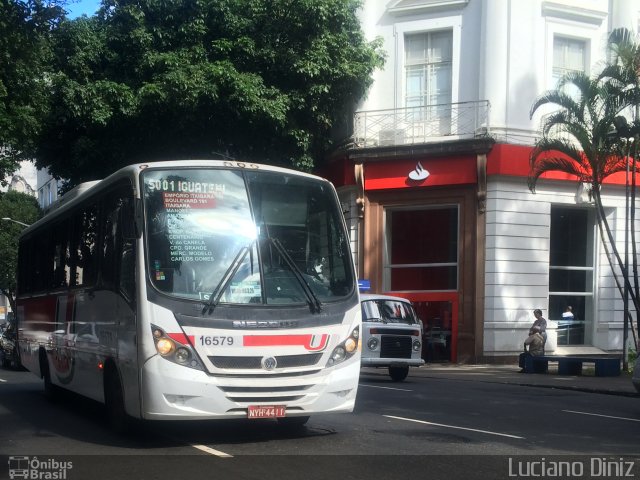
(576, 138)
(260, 80)
(21, 208)
(25, 27)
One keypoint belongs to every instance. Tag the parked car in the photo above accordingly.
(392, 334)
(636, 374)
(9, 354)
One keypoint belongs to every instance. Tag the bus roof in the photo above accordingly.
(75, 195)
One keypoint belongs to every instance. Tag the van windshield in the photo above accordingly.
(388, 311)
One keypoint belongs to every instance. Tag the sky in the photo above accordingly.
(77, 8)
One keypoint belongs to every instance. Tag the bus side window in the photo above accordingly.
(117, 254)
(128, 270)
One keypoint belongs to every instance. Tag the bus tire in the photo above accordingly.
(117, 416)
(50, 390)
(398, 374)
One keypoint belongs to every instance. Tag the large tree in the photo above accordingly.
(25, 27)
(258, 80)
(20, 208)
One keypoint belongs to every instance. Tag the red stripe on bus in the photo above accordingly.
(306, 341)
(182, 338)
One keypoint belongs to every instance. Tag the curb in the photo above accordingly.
(467, 376)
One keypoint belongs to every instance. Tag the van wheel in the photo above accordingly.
(117, 417)
(398, 374)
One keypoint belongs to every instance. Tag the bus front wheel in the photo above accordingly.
(114, 402)
(398, 374)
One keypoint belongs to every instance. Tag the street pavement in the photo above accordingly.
(510, 374)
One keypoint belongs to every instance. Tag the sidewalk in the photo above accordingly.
(509, 374)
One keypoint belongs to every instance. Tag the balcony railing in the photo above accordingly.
(413, 125)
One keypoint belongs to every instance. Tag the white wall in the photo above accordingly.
(502, 49)
(517, 264)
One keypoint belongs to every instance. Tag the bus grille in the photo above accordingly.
(395, 346)
(292, 398)
(248, 363)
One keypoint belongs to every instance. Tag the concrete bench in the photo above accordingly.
(572, 365)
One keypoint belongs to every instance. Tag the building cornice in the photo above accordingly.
(440, 149)
(573, 13)
(418, 7)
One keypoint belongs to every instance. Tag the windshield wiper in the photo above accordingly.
(214, 299)
(314, 302)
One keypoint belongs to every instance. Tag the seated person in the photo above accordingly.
(535, 344)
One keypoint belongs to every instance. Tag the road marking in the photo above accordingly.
(203, 448)
(211, 451)
(386, 388)
(3, 380)
(603, 416)
(455, 427)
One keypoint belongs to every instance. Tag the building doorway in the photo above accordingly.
(421, 263)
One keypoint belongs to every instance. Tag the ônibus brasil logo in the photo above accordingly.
(37, 469)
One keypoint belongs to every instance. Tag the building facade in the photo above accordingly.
(434, 183)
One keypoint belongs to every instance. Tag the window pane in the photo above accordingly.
(87, 251)
(428, 60)
(440, 47)
(424, 278)
(424, 236)
(568, 55)
(569, 234)
(569, 281)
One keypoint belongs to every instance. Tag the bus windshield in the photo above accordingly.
(229, 236)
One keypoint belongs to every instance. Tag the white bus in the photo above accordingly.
(194, 290)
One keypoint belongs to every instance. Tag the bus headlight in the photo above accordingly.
(175, 348)
(417, 345)
(346, 349)
(182, 355)
(372, 343)
(164, 346)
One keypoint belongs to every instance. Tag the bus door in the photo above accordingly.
(127, 349)
(120, 234)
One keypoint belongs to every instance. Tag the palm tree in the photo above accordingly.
(623, 72)
(580, 138)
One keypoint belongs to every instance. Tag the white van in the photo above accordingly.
(392, 334)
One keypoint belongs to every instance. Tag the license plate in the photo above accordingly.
(266, 411)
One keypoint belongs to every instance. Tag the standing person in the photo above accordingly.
(535, 343)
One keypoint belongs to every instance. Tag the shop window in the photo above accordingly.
(421, 251)
(571, 274)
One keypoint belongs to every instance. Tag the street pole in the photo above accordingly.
(625, 331)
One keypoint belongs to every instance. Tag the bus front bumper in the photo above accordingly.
(171, 391)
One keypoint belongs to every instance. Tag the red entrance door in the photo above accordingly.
(439, 315)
